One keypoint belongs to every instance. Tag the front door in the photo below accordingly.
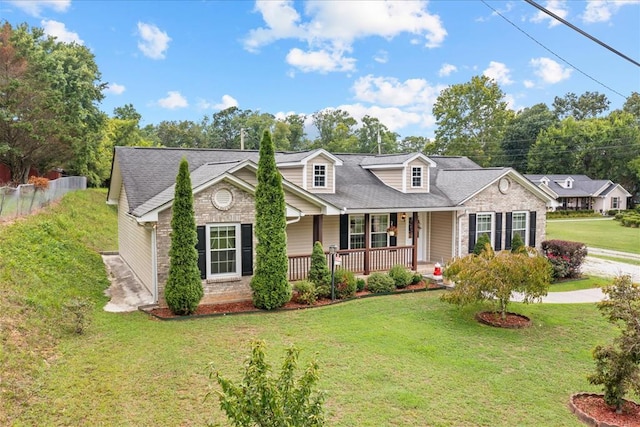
(422, 234)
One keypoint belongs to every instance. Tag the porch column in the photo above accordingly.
(317, 228)
(414, 236)
(367, 243)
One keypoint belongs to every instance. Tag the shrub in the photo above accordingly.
(345, 283)
(360, 284)
(516, 243)
(323, 291)
(496, 276)
(269, 283)
(566, 257)
(262, 400)
(417, 278)
(380, 283)
(613, 212)
(481, 244)
(618, 364)
(183, 290)
(401, 276)
(629, 219)
(319, 271)
(77, 313)
(305, 292)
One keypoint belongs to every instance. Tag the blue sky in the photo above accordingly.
(182, 60)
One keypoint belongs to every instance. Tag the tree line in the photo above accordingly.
(50, 117)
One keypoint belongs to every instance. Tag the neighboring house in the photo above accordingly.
(579, 192)
(5, 174)
(440, 205)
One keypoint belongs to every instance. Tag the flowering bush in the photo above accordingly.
(565, 257)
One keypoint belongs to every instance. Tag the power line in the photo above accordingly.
(587, 35)
(552, 52)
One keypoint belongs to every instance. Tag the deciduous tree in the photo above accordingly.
(587, 105)
(471, 119)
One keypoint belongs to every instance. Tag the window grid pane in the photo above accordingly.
(483, 226)
(319, 175)
(222, 242)
(356, 232)
(416, 177)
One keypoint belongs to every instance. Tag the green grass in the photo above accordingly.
(597, 233)
(575, 285)
(399, 360)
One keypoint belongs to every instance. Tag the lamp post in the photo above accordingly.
(332, 250)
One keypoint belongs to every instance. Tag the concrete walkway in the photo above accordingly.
(126, 291)
(571, 297)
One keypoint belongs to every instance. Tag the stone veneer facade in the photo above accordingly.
(517, 198)
(242, 210)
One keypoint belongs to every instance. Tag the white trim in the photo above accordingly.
(526, 227)
(421, 177)
(313, 177)
(238, 249)
(154, 263)
(493, 226)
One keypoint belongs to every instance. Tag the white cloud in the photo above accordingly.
(59, 31)
(154, 42)
(602, 11)
(559, 7)
(320, 60)
(381, 56)
(173, 100)
(447, 69)
(227, 101)
(35, 7)
(115, 89)
(332, 28)
(392, 117)
(390, 91)
(549, 70)
(498, 72)
(528, 84)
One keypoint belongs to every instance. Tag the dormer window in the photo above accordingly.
(416, 177)
(568, 183)
(319, 176)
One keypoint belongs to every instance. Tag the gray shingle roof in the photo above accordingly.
(149, 177)
(582, 186)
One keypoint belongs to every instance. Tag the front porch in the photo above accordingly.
(363, 261)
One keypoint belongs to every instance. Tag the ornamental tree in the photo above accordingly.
(319, 271)
(618, 364)
(496, 276)
(270, 286)
(263, 400)
(183, 291)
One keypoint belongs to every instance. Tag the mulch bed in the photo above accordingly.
(511, 320)
(247, 306)
(592, 410)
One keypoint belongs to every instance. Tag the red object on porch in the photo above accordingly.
(437, 271)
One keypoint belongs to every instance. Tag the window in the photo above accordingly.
(356, 232)
(223, 249)
(319, 176)
(519, 225)
(484, 222)
(615, 203)
(416, 177)
(379, 225)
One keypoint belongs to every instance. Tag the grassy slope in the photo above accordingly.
(394, 360)
(596, 233)
(45, 260)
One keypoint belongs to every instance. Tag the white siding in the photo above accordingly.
(321, 160)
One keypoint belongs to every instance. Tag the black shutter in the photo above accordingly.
(246, 244)
(532, 229)
(508, 230)
(201, 246)
(344, 231)
(393, 219)
(498, 243)
(472, 232)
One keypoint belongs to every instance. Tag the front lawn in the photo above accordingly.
(597, 233)
(398, 360)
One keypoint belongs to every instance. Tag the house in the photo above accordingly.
(440, 205)
(579, 192)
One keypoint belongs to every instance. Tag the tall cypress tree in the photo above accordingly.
(269, 283)
(183, 291)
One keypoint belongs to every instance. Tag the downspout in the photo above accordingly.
(154, 263)
(293, 221)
